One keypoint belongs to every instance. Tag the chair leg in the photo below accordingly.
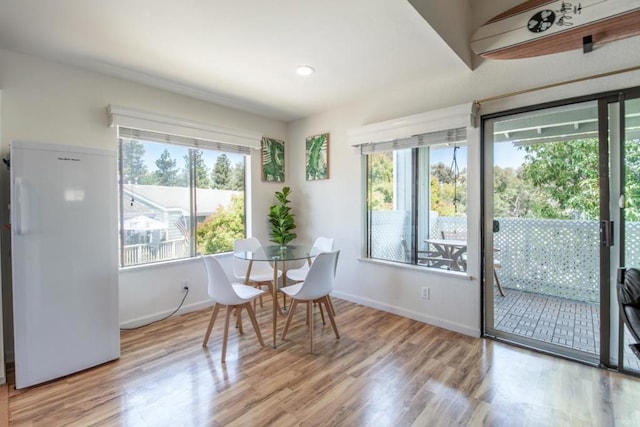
(310, 314)
(216, 308)
(254, 322)
(258, 286)
(324, 322)
(495, 274)
(294, 303)
(239, 319)
(333, 311)
(327, 303)
(226, 334)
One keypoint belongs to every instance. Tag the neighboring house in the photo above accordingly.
(166, 210)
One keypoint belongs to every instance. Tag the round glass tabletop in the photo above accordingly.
(275, 253)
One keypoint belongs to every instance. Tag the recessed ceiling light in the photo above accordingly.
(304, 70)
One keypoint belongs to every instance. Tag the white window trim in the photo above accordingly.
(143, 120)
(464, 115)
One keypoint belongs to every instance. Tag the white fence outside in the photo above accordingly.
(546, 256)
(146, 253)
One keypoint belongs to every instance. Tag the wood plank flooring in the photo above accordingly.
(385, 370)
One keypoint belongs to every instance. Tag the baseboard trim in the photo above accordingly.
(420, 317)
(144, 320)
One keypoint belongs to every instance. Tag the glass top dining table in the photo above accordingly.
(275, 254)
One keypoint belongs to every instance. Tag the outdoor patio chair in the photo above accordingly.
(462, 235)
(628, 287)
(428, 258)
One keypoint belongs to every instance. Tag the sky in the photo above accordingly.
(505, 155)
(154, 150)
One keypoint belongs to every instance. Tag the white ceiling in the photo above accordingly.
(240, 53)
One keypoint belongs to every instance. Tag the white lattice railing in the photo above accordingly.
(552, 257)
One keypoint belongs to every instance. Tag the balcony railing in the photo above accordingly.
(147, 253)
(546, 256)
(553, 257)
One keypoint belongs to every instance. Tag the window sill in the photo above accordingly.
(437, 272)
(168, 263)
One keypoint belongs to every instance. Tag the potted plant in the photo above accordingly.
(281, 219)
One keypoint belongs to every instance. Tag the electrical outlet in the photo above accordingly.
(185, 285)
(425, 293)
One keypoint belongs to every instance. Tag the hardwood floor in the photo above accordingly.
(385, 370)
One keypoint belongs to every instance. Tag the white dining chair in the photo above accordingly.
(261, 274)
(322, 244)
(316, 288)
(232, 296)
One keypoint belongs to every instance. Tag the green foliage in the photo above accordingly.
(134, 169)
(448, 193)
(442, 173)
(217, 233)
(281, 219)
(221, 174)
(167, 173)
(517, 198)
(200, 168)
(380, 181)
(202, 171)
(566, 172)
(236, 181)
(632, 180)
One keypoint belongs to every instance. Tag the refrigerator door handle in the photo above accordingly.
(21, 211)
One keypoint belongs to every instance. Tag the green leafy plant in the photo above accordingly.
(281, 219)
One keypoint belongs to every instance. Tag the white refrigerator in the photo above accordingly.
(64, 241)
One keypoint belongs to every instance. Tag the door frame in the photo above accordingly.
(603, 99)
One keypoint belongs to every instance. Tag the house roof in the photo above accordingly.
(177, 198)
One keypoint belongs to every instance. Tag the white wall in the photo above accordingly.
(333, 207)
(46, 101)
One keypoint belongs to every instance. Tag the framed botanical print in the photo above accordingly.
(317, 157)
(272, 160)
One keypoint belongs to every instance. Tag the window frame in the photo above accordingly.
(412, 194)
(196, 135)
(191, 189)
(402, 130)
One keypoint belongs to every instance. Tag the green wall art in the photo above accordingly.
(317, 153)
(272, 160)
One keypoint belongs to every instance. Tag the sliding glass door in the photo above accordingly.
(555, 226)
(629, 208)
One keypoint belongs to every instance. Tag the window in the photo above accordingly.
(178, 198)
(416, 192)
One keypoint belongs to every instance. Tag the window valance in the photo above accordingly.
(154, 127)
(433, 127)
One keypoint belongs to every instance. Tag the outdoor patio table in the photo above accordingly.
(451, 249)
